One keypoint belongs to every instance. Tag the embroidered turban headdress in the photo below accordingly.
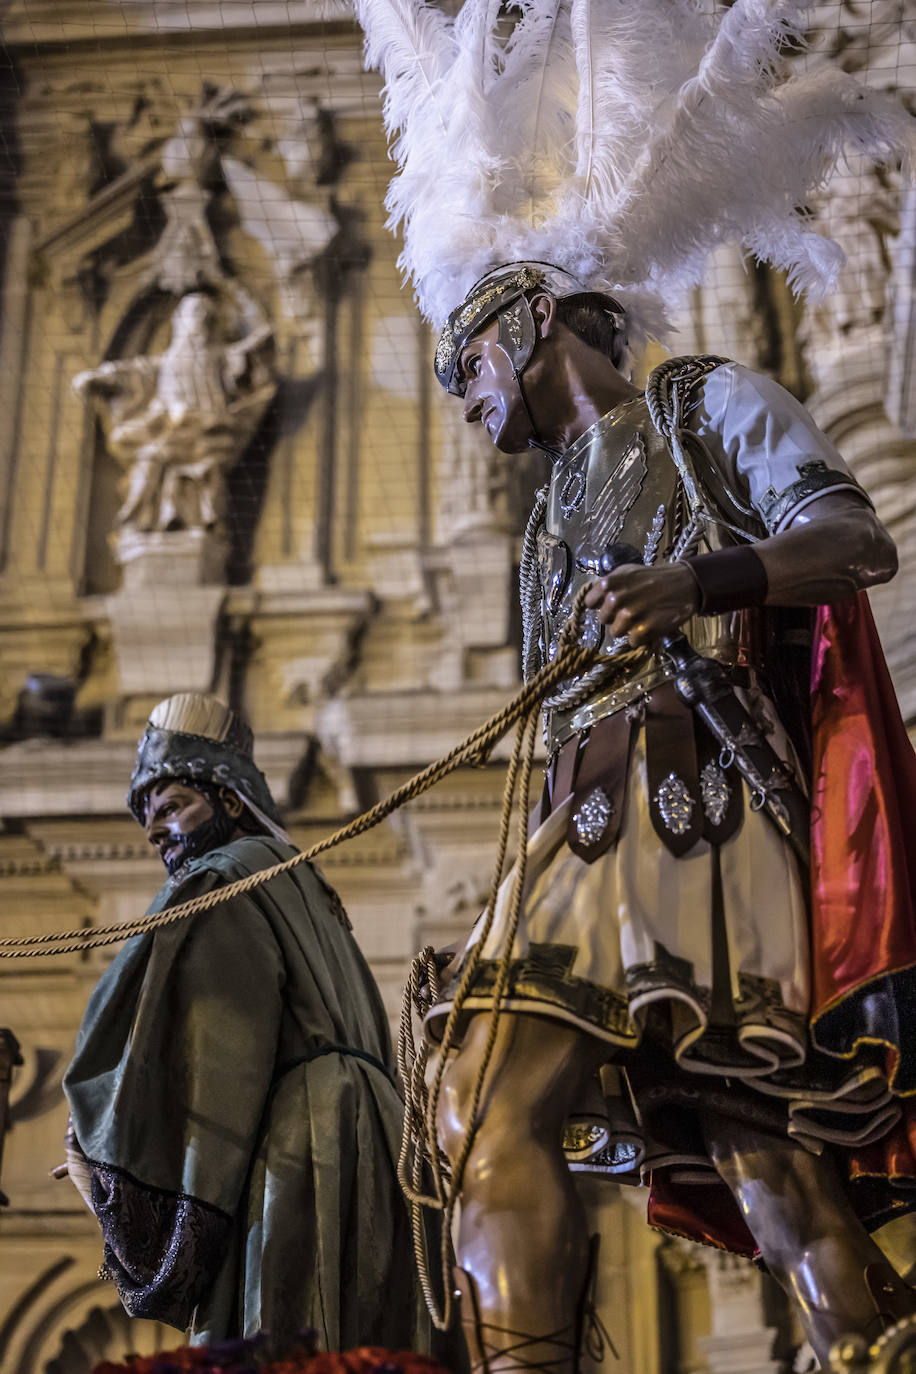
(195, 736)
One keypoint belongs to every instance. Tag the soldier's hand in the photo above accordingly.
(642, 603)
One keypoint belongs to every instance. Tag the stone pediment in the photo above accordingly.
(108, 213)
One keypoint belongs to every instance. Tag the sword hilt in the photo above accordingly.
(703, 684)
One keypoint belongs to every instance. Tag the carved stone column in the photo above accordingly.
(472, 561)
(859, 340)
(9, 1056)
(741, 1342)
(720, 1323)
(13, 337)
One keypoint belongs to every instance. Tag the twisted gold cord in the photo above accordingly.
(420, 1155)
(474, 749)
(420, 1151)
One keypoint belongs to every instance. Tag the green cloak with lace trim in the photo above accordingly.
(233, 1095)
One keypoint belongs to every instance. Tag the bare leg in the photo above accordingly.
(810, 1237)
(522, 1238)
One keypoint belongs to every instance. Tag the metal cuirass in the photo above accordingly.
(617, 484)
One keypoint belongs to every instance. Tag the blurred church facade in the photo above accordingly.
(225, 465)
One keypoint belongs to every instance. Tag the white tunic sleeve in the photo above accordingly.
(771, 453)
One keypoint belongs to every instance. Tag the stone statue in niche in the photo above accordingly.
(177, 422)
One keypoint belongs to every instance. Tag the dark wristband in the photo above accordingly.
(729, 579)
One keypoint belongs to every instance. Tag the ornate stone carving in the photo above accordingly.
(178, 421)
(293, 231)
(861, 209)
(90, 1329)
(473, 485)
(217, 167)
(187, 254)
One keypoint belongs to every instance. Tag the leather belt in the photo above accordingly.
(690, 795)
(608, 700)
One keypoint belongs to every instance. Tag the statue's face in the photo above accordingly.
(193, 315)
(181, 823)
(492, 395)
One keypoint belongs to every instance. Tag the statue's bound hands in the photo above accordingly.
(444, 961)
(444, 957)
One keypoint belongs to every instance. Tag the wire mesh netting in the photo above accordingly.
(224, 462)
(226, 466)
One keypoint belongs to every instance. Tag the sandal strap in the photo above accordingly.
(564, 1340)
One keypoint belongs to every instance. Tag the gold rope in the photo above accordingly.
(421, 1154)
(475, 749)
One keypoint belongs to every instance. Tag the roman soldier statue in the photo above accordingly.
(707, 987)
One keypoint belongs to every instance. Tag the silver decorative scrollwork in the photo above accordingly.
(675, 804)
(654, 537)
(512, 319)
(617, 497)
(554, 563)
(715, 793)
(573, 492)
(592, 632)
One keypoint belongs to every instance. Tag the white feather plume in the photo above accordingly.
(411, 42)
(535, 103)
(622, 140)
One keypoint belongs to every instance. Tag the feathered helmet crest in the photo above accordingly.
(617, 141)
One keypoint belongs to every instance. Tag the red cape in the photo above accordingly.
(863, 915)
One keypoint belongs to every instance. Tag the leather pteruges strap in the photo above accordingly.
(541, 809)
(673, 775)
(728, 579)
(601, 783)
(559, 781)
(564, 777)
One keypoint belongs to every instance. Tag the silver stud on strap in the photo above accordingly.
(675, 804)
(593, 816)
(715, 793)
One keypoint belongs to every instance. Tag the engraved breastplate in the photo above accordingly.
(616, 485)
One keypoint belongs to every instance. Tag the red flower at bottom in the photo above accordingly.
(365, 1359)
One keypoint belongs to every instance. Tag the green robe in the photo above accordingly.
(233, 1094)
